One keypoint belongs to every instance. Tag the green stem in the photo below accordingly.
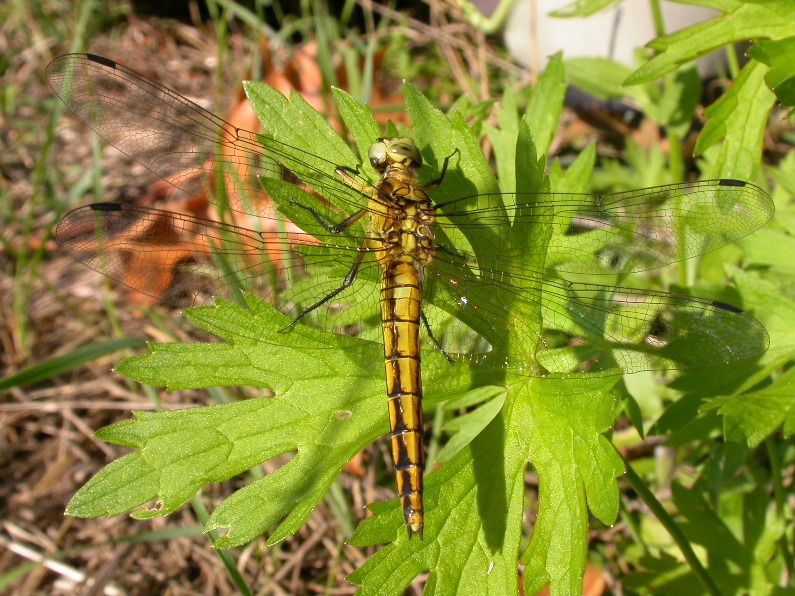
(636, 482)
(731, 61)
(226, 558)
(781, 503)
(656, 15)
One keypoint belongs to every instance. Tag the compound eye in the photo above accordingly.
(377, 153)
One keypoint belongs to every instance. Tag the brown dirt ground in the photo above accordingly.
(46, 428)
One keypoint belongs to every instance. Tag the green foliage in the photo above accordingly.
(740, 116)
(738, 156)
(779, 55)
(324, 418)
(67, 362)
(722, 423)
(728, 425)
(476, 499)
(740, 21)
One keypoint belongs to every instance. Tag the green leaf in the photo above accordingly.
(475, 515)
(546, 103)
(600, 77)
(735, 561)
(738, 118)
(780, 57)
(439, 137)
(469, 175)
(358, 120)
(752, 417)
(180, 451)
(576, 178)
(503, 140)
(774, 19)
(467, 426)
(677, 105)
(557, 425)
(774, 309)
(581, 8)
(296, 123)
(529, 165)
(568, 423)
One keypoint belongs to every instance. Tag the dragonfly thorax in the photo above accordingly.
(400, 210)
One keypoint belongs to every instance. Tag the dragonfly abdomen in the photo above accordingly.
(400, 316)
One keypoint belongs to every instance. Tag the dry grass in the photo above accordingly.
(47, 443)
(51, 305)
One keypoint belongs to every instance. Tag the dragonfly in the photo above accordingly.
(378, 253)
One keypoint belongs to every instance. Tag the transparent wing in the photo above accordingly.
(479, 286)
(179, 140)
(182, 142)
(471, 314)
(622, 232)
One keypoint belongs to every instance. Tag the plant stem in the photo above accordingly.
(226, 558)
(781, 502)
(656, 15)
(636, 482)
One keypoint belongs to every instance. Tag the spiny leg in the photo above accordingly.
(345, 284)
(347, 222)
(435, 343)
(344, 224)
(437, 181)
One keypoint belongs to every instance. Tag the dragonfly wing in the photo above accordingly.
(647, 228)
(183, 143)
(186, 261)
(169, 256)
(637, 230)
(483, 298)
(636, 330)
(491, 311)
(183, 260)
(168, 134)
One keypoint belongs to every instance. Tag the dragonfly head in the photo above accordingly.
(400, 152)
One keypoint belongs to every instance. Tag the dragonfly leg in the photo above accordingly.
(345, 174)
(326, 226)
(435, 343)
(434, 183)
(345, 284)
(446, 250)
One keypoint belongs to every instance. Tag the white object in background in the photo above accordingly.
(532, 36)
